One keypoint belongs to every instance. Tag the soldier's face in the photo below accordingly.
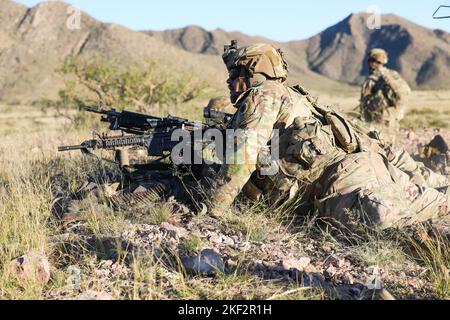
(374, 65)
(236, 84)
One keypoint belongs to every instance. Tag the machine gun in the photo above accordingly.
(145, 132)
(156, 144)
(159, 146)
(137, 123)
(154, 136)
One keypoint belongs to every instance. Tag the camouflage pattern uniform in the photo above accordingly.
(436, 155)
(419, 173)
(323, 163)
(383, 96)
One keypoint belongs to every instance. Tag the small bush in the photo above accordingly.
(98, 82)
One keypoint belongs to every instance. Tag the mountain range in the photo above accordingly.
(35, 41)
(421, 55)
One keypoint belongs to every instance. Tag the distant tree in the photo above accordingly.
(96, 81)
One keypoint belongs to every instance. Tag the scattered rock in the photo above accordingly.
(176, 232)
(244, 246)
(227, 241)
(215, 238)
(94, 295)
(220, 239)
(32, 266)
(208, 263)
(74, 212)
(231, 264)
(172, 243)
(330, 272)
(336, 261)
(348, 278)
(310, 268)
(299, 264)
(106, 263)
(411, 135)
(74, 279)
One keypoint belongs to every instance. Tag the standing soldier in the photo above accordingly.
(383, 95)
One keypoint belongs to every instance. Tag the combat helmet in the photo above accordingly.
(379, 55)
(256, 59)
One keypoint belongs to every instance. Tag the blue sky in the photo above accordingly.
(280, 20)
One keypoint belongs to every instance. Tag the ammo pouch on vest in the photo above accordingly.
(344, 133)
(310, 147)
(310, 141)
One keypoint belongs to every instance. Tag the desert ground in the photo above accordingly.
(113, 255)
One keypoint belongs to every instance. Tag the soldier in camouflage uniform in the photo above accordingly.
(418, 171)
(383, 94)
(324, 163)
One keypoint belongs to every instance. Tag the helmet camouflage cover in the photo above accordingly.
(379, 55)
(258, 58)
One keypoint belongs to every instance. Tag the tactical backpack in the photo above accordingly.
(342, 130)
(394, 88)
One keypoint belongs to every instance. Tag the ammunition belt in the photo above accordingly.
(141, 200)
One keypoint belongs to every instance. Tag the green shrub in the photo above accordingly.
(92, 82)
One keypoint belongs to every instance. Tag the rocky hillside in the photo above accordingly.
(338, 53)
(35, 41)
(421, 55)
(210, 43)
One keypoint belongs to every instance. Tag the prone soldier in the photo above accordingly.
(324, 162)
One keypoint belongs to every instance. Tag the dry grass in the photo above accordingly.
(29, 165)
(425, 109)
(434, 253)
(31, 172)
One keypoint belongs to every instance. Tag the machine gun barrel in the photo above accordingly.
(71, 148)
(111, 143)
(91, 144)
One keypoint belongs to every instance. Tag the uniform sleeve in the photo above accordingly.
(366, 95)
(256, 117)
(366, 90)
